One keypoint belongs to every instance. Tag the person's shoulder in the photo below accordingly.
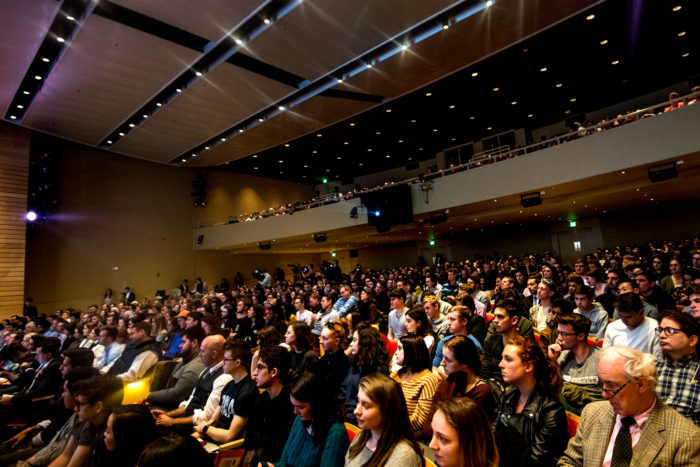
(404, 455)
(676, 423)
(597, 410)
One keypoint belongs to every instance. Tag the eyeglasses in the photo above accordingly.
(615, 392)
(668, 330)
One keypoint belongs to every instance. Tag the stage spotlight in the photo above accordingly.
(30, 216)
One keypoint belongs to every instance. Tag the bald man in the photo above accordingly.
(201, 406)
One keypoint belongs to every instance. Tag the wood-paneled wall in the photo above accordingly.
(14, 172)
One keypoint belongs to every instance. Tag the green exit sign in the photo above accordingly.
(572, 224)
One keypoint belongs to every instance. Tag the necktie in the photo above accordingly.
(622, 451)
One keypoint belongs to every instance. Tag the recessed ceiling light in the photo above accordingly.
(615, 62)
(413, 121)
(266, 21)
(452, 106)
(489, 128)
(223, 139)
(199, 73)
(590, 17)
(514, 103)
(472, 118)
(685, 55)
(345, 143)
(194, 155)
(360, 163)
(255, 156)
(328, 170)
(338, 157)
(529, 115)
(60, 39)
(369, 149)
(369, 65)
(319, 135)
(428, 94)
(261, 120)
(70, 18)
(352, 124)
(475, 74)
(445, 26)
(624, 172)
(109, 141)
(603, 42)
(435, 130)
(340, 81)
(378, 133)
(19, 106)
(255, 168)
(681, 34)
(183, 160)
(239, 42)
(178, 90)
(26, 93)
(573, 99)
(45, 60)
(241, 130)
(543, 69)
(158, 104)
(400, 141)
(495, 89)
(145, 116)
(306, 166)
(404, 47)
(388, 156)
(131, 125)
(286, 145)
(121, 133)
(388, 110)
(558, 85)
(282, 108)
(314, 152)
(37, 77)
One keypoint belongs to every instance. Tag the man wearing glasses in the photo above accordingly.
(577, 360)
(678, 384)
(632, 427)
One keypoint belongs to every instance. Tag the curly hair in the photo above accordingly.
(269, 336)
(547, 375)
(372, 353)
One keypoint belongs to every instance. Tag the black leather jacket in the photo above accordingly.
(536, 436)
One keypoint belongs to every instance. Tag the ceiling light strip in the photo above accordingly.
(57, 40)
(217, 53)
(381, 52)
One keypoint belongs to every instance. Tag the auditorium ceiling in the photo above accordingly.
(333, 89)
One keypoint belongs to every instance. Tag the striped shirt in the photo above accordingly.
(419, 392)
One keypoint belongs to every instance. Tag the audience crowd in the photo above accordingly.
(485, 362)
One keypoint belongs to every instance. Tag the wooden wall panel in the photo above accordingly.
(14, 172)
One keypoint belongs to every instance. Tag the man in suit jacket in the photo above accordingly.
(632, 420)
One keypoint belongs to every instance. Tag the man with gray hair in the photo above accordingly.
(632, 427)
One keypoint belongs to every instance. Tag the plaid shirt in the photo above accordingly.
(679, 386)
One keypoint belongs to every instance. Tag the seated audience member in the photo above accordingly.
(368, 355)
(386, 437)
(45, 382)
(607, 299)
(587, 306)
(397, 315)
(632, 427)
(23, 365)
(462, 435)
(237, 398)
(458, 319)
(417, 323)
(185, 375)
(206, 395)
(139, 356)
(541, 314)
(326, 315)
(41, 443)
(626, 286)
(417, 381)
(273, 414)
(559, 308)
(318, 435)
(171, 346)
(462, 365)
(694, 308)
(530, 423)
(172, 449)
(438, 322)
(302, 314)
(129, 429)
(652, 293)
(507, 324)
(299, 338)
(577, 360)
(451, 287)
(95, 399)
(678, 369)
(477, 313)
(633, 329)
(334, 365)
(347, 303)
(76, 358)
(268, 335)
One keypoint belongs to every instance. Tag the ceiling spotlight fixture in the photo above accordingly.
(676, 8)
(543, 69)
(60, 39)
(45, 60)
(590, 17)
(428, 94)
(681, 34)
(239, 42)
(452, 106)
(241, 130)
(145, 116)
(266, 21)
(37, 77)
(404, 47)
(109, 141)
(158, 104)
(529, 115)
(26, 93)
(340, 81)
(319, 135)
(223, 139)
(184, 160)
(445, 26)
(388, 110)
(475, 74)
(199, 73)
(286, 145)
(514, 103)
(603, 42)
(489, 128)
(20, 106)
(70, 18)
(369, 65)
(255, 156)
(131, 125)
(558, 85)
(352, 123)
(472, 117)
(615, 62)
(206, 148)
(495, 89)
(685, 55)
(282, 108)
(178, 90)
(121, 133)
(489, 3)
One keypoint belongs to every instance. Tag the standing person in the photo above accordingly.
(416, 378)
(368, 355)
(462, 435)
(386, 437)
(530, 424)
(318, 436)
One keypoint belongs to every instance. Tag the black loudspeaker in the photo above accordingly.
(264, 245)
(389, 206)
(660, 173)
(320, 238)
(531, 199)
